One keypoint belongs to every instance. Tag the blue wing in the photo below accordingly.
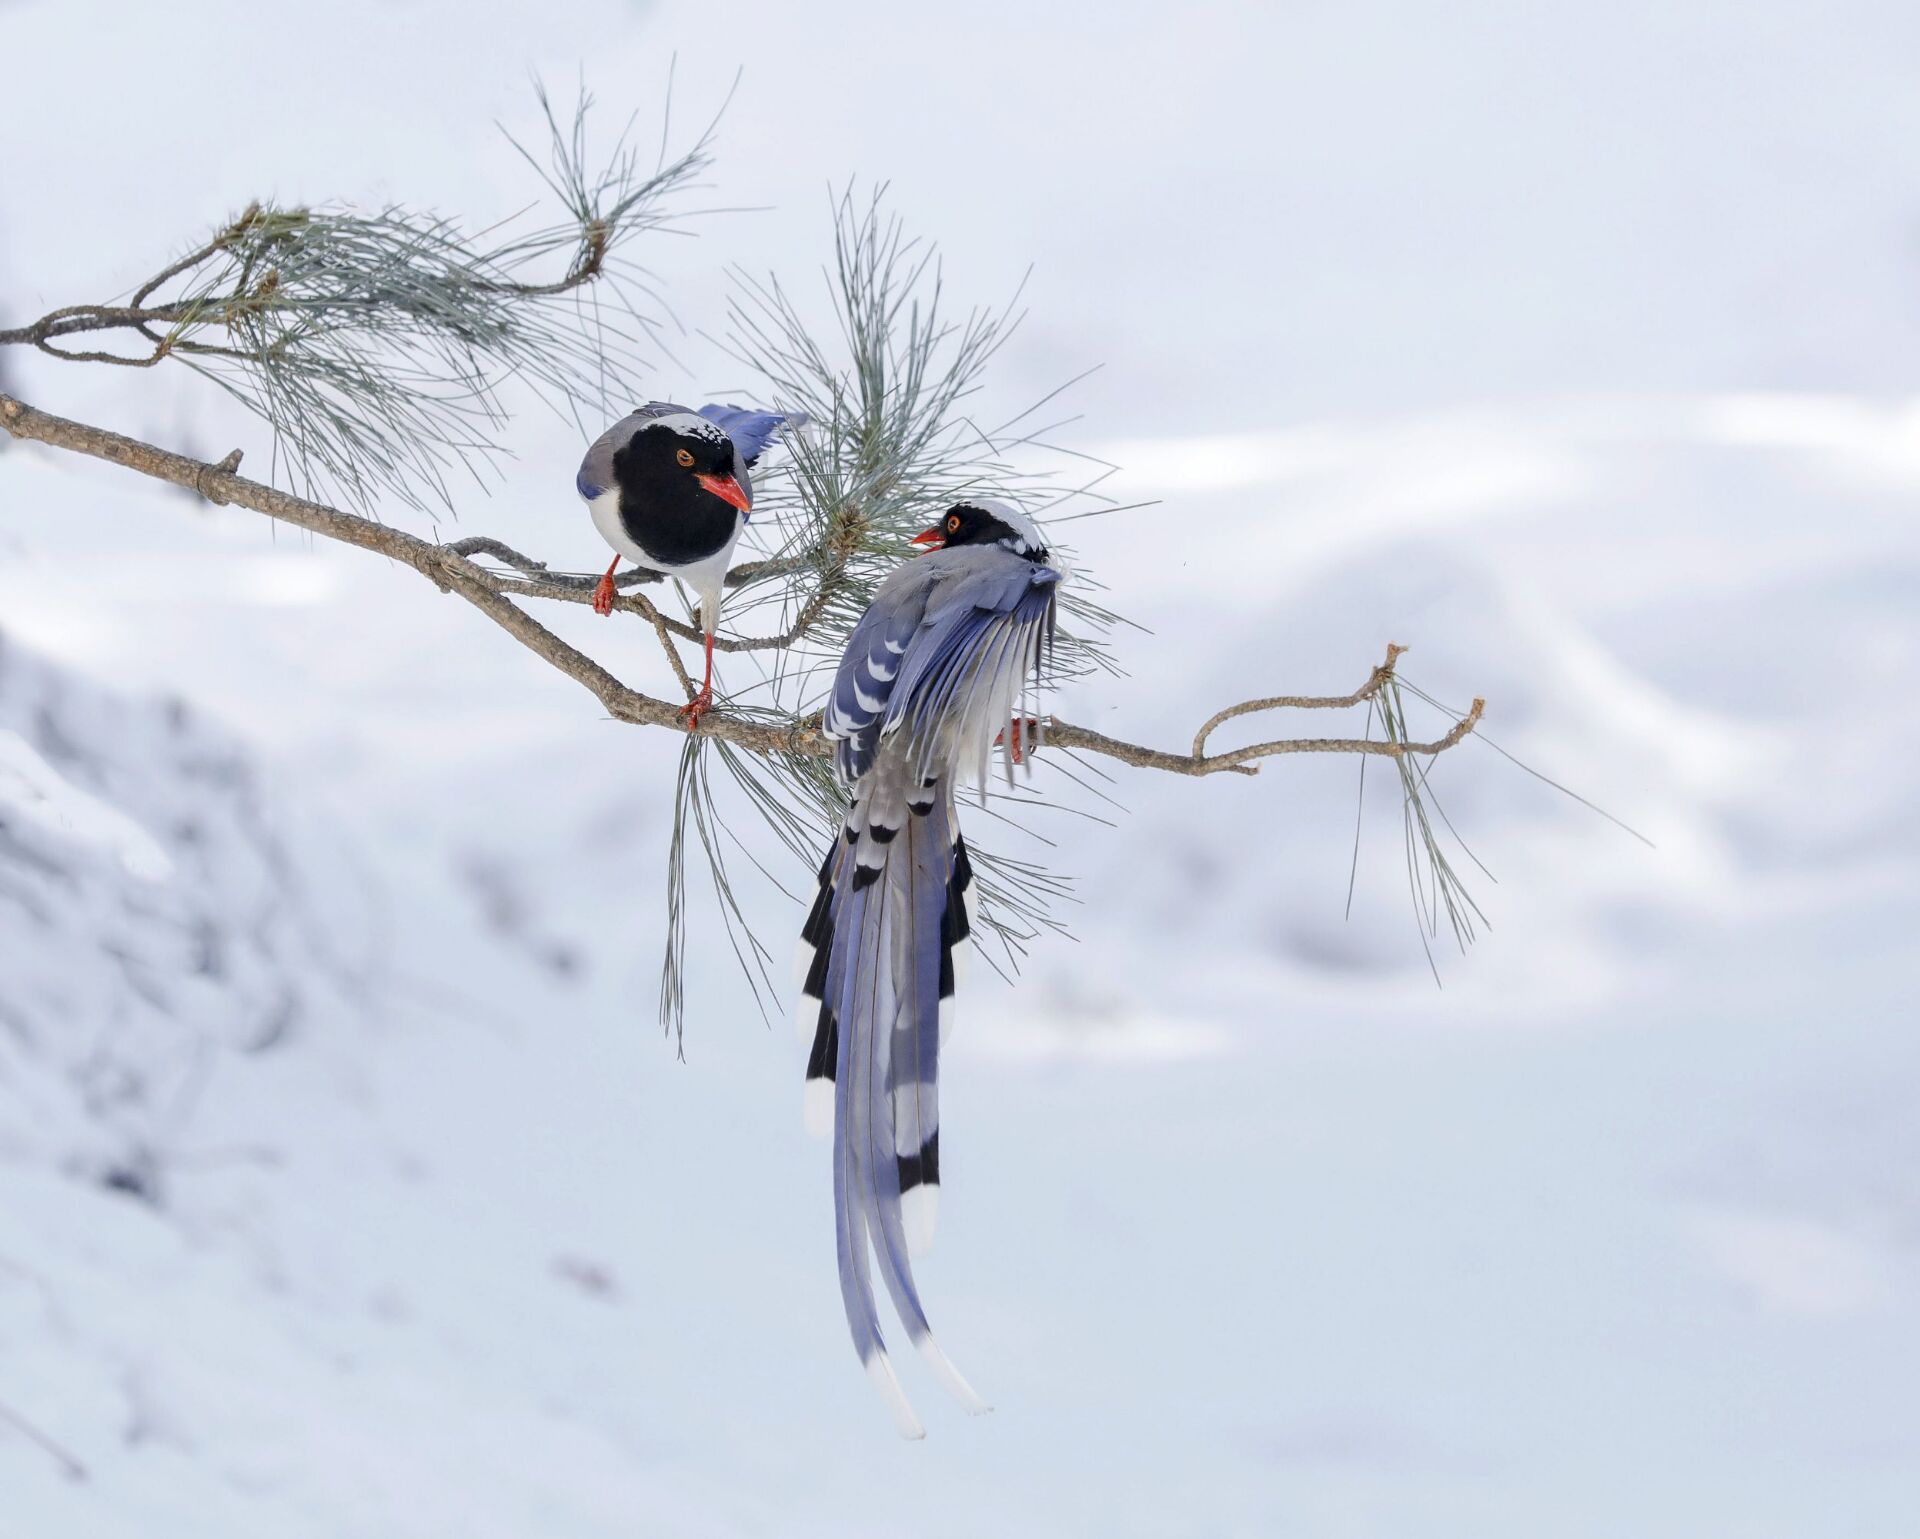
(751, 431)
(915, 645)
(968, 650)
(857, 704)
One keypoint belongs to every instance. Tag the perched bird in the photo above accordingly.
(932, 674)
(669, 491)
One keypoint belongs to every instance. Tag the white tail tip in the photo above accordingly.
(880, 1370)
(817, 1107)
(919, 1208)
(949, 1376)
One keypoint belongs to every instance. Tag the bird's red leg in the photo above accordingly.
(701, 703)
(603, 594)
(1014, 727)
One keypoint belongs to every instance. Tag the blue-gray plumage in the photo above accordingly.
(936, 672)
(669, 490)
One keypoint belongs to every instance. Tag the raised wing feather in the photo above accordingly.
(750, 430)
(926, 628)
(870, 666)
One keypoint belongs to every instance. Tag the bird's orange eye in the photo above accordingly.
(685, 457)
(953, 524)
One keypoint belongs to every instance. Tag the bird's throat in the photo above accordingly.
(673, 519)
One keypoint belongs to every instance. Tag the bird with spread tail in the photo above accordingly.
(937, 673)
(669, 491)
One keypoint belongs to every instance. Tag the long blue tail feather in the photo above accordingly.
(882, 965)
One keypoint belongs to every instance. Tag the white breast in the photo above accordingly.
(705, 578)
(606, 518)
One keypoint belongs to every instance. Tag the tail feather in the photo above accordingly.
(887, 1382)
(812, 1017)
(853, 976)
(924, 962)
(821, 1063)
(956, 929)
(882, 933)
(899, 1082)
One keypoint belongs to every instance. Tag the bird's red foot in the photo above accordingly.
(1014, 748)
(603, 596)
(697, 707)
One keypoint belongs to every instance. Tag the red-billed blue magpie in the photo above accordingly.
(669, 491)
(937, 670)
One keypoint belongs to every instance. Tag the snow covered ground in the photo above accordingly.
(1576, 353)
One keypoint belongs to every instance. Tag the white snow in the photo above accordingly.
(32, 787)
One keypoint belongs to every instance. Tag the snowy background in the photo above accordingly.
(347, 1187)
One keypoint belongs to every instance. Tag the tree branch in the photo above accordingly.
(445, 569)
(375, 342)
(536, 581)
(1365, 692)
(1062, 734)
(450, 568)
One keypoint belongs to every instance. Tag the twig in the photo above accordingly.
(1365, 692)
(1061, 734)
(566, 585)
(536, 581)
(449, 568)
(666, 642)
(374, 342)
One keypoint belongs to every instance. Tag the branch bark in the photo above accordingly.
(451, 568)
(535, 581)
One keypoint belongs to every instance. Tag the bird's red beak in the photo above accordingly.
(727, 490)
(933, 538)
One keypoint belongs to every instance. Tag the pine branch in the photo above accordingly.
(375, 343)
(387, 386)
(450, 568)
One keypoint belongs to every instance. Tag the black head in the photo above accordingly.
(665, 461)
(679, 489)
(985, 523)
